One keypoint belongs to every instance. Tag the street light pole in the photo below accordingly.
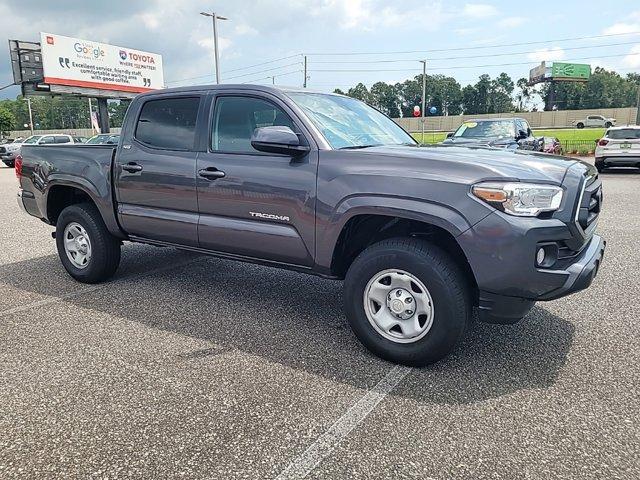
(424, 93)
(215, 17)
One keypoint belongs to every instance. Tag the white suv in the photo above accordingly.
(620, 147)
(595, 121)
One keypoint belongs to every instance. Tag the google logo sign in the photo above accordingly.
(95, 52)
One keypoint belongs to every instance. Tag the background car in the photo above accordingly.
(619, 147)
(595, 121)
(104, 139)
(550, 145)
(9, 151)
(512, 133)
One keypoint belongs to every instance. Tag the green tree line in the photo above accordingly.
(605, 89)
(54, 113)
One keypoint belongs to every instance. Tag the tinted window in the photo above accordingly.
(46, 140)
(624, 134)
(169, 123)
(62, 139)
(486, 129)
(236, 118)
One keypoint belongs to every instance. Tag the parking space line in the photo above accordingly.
(50, 300)
(327, 442)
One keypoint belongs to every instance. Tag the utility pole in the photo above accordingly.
(304, 84)
(30, 115)
(424, 93)
(638, 106)
(90, 114)
(215, 17)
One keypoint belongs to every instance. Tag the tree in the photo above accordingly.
(7, 120)
(523, 97)
(385, 98)
(360, 92)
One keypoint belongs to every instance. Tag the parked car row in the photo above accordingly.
(10, 150)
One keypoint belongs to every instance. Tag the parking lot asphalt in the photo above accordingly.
(187, 366)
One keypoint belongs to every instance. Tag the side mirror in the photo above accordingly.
(278, 139)
(449, 134)
(521, 135)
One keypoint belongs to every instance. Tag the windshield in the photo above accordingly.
(486, 129)
(349, 123)
(33, 139)
(98, 139)
(624, 134)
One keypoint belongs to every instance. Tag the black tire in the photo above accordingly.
(600, 166)
(443, 279)
(580, 125)
(105, 248)
(9, 163)
(608, 125)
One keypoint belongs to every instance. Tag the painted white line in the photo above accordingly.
(325, 444)
(82, 291)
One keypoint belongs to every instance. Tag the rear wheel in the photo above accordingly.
(608, 124)
(89, 253)
(599, 166)
(580, 125)
(407, 301)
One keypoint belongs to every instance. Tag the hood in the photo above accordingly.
(473, 164)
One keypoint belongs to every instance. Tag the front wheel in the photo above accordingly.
(580, 125)
(407, 301)
(89, 253)
(608, 125)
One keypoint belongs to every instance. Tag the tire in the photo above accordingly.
(445, 284)
(599, 166)
(9, 163)
(580, 125)
(608, 125)
(104, 249)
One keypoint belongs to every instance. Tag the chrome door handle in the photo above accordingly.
(211, 173)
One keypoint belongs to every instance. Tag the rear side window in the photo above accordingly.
(169, 123)
(624, 134)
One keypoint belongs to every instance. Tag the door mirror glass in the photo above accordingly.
(449, 134)
(521, 135)
(277, 139)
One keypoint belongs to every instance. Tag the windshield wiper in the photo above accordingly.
(355, 147)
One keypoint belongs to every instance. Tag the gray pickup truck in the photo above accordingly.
(324, 184)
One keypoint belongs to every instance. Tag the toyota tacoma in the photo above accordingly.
(324, 184)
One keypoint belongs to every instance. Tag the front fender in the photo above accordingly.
(433, 213)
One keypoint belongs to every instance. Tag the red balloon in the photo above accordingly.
(416, 113)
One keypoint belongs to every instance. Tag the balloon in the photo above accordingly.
(433, 110)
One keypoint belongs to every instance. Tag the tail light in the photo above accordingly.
(18, 165)
(603, 142)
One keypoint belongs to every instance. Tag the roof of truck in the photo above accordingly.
(234, 86)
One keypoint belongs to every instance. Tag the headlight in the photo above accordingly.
(521, 199)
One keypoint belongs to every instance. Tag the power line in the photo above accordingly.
(263, 71)
(238, 69)
(278, 75)
(468, 56)
(456, 67)
(478, 47)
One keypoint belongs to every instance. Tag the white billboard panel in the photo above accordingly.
(82, 63)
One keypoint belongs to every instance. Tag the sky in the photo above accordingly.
(345, 41)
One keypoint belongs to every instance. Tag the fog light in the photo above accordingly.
(540, 256)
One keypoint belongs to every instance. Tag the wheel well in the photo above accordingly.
(364, 230)
(60, 197)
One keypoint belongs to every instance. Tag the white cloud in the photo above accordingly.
(620, 28)
(511, 22)
(207, 42)
(633, 59)
(547, 54)
(244, 29)
(479, 10)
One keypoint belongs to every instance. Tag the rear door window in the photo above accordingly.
(169, 123)
(47, 140)
(624, 134)
(62, 139)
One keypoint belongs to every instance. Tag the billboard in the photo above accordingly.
(72, 62)
(539, 73)
(570, 71)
